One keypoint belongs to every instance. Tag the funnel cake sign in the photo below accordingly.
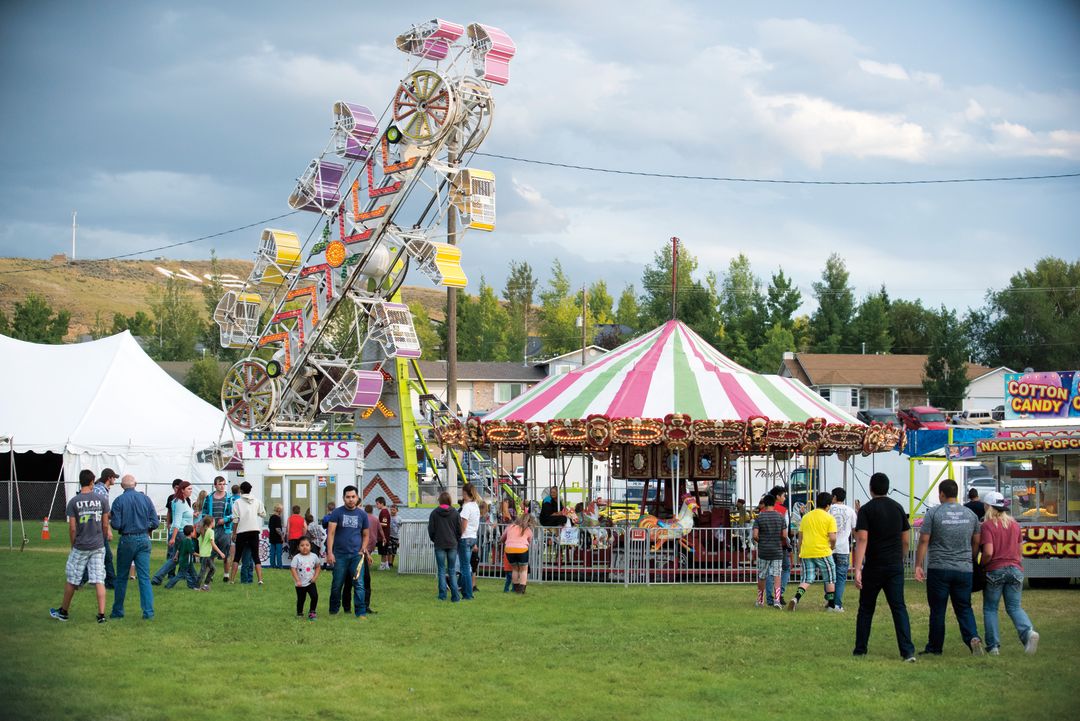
(1051, 394)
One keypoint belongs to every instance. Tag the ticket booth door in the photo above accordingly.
(301, 493)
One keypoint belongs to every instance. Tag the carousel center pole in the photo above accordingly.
(674, 273)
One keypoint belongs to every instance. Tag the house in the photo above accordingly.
(855, 381)
(481, 386)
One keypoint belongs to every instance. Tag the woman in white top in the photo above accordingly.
(470, 527)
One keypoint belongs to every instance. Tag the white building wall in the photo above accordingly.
(987, 392)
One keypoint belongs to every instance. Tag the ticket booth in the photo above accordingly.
(307, 470)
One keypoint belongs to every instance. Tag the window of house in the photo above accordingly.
(561, 368)
(825, 393)
(506, 392)
(894, 398)
(855, 398)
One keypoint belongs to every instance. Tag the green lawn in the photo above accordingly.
(560, 652)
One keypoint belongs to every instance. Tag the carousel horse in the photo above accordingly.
(676, 528)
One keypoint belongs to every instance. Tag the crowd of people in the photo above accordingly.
(955, 546)
(220, 525)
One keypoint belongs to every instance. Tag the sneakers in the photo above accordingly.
(101, 618)
(759, 604)
(834, 609)
(995, 651)
(792, 604)
(977, 648)
(225, 579)
(311, 616)
(204, 587)
(59, 614)
(910, 659)
(1032, 643)
(260, 583)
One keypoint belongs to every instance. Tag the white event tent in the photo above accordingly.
(104, 404)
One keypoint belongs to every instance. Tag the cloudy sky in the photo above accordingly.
(165, 121)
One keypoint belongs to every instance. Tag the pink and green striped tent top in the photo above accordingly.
(669, 370)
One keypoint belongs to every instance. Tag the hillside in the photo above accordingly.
(89, 288)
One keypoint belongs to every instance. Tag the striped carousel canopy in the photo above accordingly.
(671, 387)
(668, 370)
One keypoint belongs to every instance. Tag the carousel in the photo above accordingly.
(668, 409)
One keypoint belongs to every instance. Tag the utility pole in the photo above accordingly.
(584, 320)
(674, 273)
(451, 297)
(73, 227)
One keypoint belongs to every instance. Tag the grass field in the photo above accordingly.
(560, 652)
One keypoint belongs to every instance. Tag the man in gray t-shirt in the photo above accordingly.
(948, 542)
(88, 529)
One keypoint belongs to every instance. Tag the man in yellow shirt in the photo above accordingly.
(817, 538)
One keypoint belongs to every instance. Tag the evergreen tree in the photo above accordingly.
(600, 304)
(179, 326)
(35, 321)
(742, 312)
(783, 300)
(946, 379)
(830, 325)
(559, 311)
(871, 324)
(519, 293)
(628, 311)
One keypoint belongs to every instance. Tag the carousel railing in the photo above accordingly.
(619, 554)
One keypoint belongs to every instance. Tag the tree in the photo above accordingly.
(1035, 321)
(483, 322)
(212, 290)
(519, 293)
(770, 355)
(871, 324)
(430, 343)
(35, 321)
(5, 324)
(628, 311)
(742, 311)
(140, 324)
(559, 311)
(945, 372)
(178, 323)
(600, 304)
(782, 301)
(830, 330)
(909, 326)
(655, 302)
(204, 379)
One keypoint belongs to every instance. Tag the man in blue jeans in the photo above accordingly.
(882, 534)
(347, 535)
(134, 517)
(948, 544)
(845, 524)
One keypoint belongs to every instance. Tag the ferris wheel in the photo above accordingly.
(312, 318)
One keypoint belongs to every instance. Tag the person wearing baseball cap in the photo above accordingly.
(1001, 557)
(102, 488)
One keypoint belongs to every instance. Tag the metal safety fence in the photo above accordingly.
(620, 554)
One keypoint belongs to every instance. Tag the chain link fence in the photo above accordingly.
(620, 554)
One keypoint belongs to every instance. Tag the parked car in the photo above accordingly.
(922, 417)
(974, 417)
(878, 415)
(998, 414)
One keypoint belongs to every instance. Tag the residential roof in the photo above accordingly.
(484, 371)
(855, 369)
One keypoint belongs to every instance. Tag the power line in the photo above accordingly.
(775, 181)
(52, 266)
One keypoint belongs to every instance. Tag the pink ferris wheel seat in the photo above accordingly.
(492, 51)
(355, 129)
(357, 389)
(430, 40)
(317, 189)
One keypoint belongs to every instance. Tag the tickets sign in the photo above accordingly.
(1050, 541)
(1052, 394)
(299, 446)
